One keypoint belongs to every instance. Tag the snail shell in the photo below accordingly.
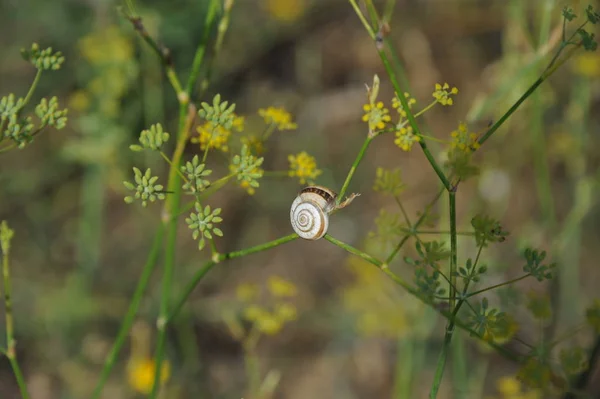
(310, 212)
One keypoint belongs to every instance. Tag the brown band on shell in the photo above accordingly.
(326, 193)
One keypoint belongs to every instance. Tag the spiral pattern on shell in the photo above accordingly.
(309, 213)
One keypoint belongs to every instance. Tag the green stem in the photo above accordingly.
(412, 120)
(221, 30)
(427, 301)
(359, 158)
(201, 50)
(11, 343)
(131, 312)
(470, 294)
(453, 247)
(217, 258)
(163, 54)
(418, 223)
(34, 84)
(169, 222)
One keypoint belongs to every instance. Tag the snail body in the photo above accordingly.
(310, 210)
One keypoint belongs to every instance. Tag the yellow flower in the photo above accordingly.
(140, 366)
(79, 100)
(587, 64)
(443, 92)
(398, 105)
(106, 46)
(405, 138)
(510, 388)
(463, 140)
(304, 167)
(246, 292)
(278, 117)
(246, 184)
(238, 123)
(216, 137)
(376, 115)
(285, 312)
(255, 144)
(281, 288)
(285, 10)
(140, 374)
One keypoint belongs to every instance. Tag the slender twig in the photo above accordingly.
(169, 222)
(359, 158)
(11, 343)
(131, 312)
(514, 280)
(217, 258)
(416, 293)
(201, 50)
(36, 80)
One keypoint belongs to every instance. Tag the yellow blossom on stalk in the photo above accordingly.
(463, 140)
(285, 10)
(405, 138)
(216, 137)
(376, 115)
(106, 46)
(587, 64)
(255, 144)
(509, 387)
(281, 288)
(140, 374)
(443, 93)
(79, 100)
(269, 319)
(398, 105)
(304, 167)
(141, 366)
(238, 123)
(279, 117)
(246, 292)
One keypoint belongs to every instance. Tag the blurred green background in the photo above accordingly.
(79, 249)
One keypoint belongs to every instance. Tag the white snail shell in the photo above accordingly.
(310, 212)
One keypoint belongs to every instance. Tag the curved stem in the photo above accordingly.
(217, 258)
(36, 80)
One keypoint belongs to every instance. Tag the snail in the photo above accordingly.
(310, 211)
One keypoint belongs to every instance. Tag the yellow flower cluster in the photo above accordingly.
(140, 374)
(112, 52)
(255, 144)
(141, 366)
(269, 320)
(380, 309)
(278, 117)
(285, 10)
(510, 388)
(463, 140)
(376, 115)
(443, 93)
(217, 137)
(405, 138)
(304, 167)
(398, 105)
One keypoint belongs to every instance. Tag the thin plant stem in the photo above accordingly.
(404, 214)
(359, 158)
(514, 280)
(169, 222)
(163, 53)
(34, 84)
(218, 258)
(131, 312)
(201, 50)
(221, 30)
(418, 223)
(11, 343)
(427, 301)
